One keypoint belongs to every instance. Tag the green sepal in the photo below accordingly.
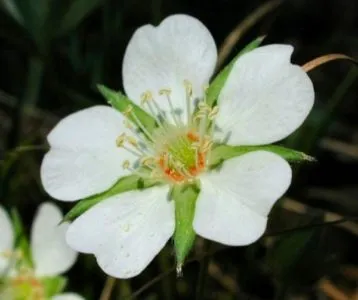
(125, 184)
(220, 153)
(21, 242)
(220, 79)
(122, 102)
(53, 285)
(184, 198)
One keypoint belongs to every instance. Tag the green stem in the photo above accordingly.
(203, 273)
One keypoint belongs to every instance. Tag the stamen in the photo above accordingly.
(167, 92)
(189, 92)
(148, 99)
(120, 140)
(129, 112)
(139, 135)
(142, 173)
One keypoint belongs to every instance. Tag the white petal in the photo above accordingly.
(84, 159)
(265, 97)
(68, 296)
(234, 202)
(6, 238)
(180, 48)
(125, 232)
(50, 253)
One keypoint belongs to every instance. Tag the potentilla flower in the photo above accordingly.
(51, 256)
(166, 70)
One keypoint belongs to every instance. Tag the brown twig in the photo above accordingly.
(314, 63)
(242, 28)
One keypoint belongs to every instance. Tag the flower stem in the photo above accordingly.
(108, 288)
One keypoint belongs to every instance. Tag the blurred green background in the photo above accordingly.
(54, 52)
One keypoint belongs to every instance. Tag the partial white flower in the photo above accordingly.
(51, 256)
(166, 69)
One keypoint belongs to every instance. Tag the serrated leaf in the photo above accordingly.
(21, 242)
(125, 184)
(184, 198)
(220, 79)
(122, 102)
(76, 13)
(54, 285)
(220, 153)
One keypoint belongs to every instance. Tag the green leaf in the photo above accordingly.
(21, 242)
(10, 6)
(184, 235)
(121, 103)
(125, 184)
(220, 153)
(220, 79)
(54, 285)
(76, 13)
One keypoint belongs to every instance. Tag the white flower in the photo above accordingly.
(165, 69)
(51, 256)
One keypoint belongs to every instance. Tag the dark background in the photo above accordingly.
(50, 65)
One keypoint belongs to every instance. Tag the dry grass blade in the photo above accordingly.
(333, 292)
(108, 288)
(243, 27)
(325, 59)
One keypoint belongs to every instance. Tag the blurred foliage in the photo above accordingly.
(53, 54)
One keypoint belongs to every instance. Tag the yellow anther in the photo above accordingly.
(128, 110)
(166, 92)
(188, 87)
(213, 113)
(207, 145)
(146, 161)
(121, 139)
(146, 96)
(204, 107)
(205, 88)
(131, 140)
(199, 115)
(195, 145)
(126, 165)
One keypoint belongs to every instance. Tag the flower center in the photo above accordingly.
(20, 281)
(179, 156)
(176, 151)
(27, 286)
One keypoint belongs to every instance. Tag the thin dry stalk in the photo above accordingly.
(242, 28)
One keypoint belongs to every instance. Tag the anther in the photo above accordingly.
(165, 92)
(121, 139)
(126, 165)
(131, 140)
(147, 161)
(213, 113)
(188, 87)
(128, 110)
(146, 96)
